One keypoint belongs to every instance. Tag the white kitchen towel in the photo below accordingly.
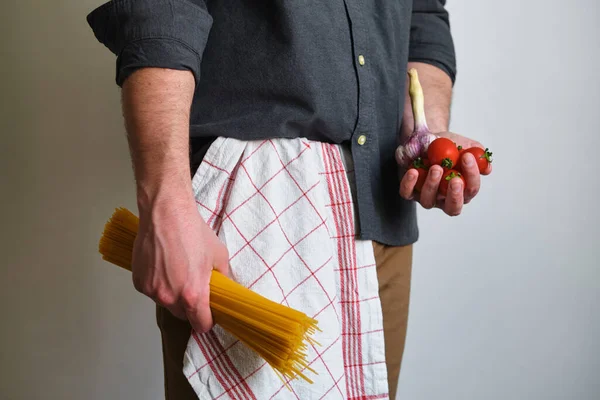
(285, 211)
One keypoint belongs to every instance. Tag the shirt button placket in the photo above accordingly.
(362, 138)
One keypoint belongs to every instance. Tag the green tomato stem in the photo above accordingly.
(487, 155)
(447, 163)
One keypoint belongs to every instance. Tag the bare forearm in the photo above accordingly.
(175, 250)
(156, 107)
(437, 90)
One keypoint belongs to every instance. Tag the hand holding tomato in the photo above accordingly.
(454, 177)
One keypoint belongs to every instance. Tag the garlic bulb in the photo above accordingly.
(417, 143)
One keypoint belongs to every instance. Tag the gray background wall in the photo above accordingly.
(505, 297)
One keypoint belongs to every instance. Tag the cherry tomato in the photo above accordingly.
(458, 165)
(421, 179)
(483, 157)
(421, 165)
(421, 162)
(446, 178)
(443, 151)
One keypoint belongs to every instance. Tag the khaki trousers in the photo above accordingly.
(394, 265)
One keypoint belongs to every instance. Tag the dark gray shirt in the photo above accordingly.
(329, 70)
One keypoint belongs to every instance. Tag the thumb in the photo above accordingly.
(221, 259)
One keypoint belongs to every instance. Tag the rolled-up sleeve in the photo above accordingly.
(430, 38)
(153, 33)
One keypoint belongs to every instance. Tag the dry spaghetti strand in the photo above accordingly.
(279, 334)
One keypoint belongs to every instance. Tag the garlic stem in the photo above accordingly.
(418, 101)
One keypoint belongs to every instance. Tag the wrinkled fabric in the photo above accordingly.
(285, 211)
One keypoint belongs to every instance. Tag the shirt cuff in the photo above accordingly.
(431, 42)
(153, 33)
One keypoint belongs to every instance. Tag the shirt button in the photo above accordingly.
(362, 139)
(361, 59)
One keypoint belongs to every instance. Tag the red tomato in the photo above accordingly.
(421, 165)
(446, 178)
(458, 165)
(483, 157)
(421, 179)
(443, 151)
(420, 162)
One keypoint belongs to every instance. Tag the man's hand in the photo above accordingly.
(457, 194)
(437, 88)
(173, 257)
(175, 250)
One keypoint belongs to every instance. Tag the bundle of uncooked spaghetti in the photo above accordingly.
(279, 334)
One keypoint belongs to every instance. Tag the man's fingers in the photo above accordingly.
(440, 203)
(200, 316)
(177, 312)
(407, 184)
(472, 177)
(200, 320)
(454, 197)
(168, 301)
(429, 190)
(192, 306)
